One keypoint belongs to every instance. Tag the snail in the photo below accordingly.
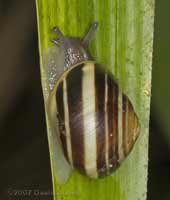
(94, 123)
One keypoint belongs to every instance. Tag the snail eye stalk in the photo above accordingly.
(90, 34)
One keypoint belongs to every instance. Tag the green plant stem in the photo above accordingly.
(123, 44)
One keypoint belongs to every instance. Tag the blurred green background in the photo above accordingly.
(24, 155)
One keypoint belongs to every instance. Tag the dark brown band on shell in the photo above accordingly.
(74, 88)
(60, 117)
(100, 121)
(124, 121)
(113, 123)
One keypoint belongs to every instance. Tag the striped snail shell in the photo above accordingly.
(96, 124)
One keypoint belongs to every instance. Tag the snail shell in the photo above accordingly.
(96, 124)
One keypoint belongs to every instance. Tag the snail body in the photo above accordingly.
(95, 122)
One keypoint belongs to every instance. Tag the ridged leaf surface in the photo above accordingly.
(123, 44)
